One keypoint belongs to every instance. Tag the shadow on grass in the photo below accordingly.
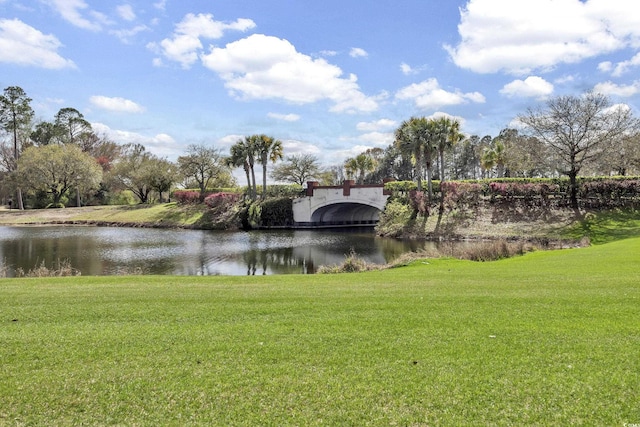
(606, 226)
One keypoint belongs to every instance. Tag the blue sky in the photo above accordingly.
(329, 78)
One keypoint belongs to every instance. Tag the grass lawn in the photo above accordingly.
(549, 338)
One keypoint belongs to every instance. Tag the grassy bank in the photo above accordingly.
(549, 338)
(160, 215)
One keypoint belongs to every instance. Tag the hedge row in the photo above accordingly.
(593, 192)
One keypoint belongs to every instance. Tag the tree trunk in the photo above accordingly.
(20, 202)
(573, 188)
(264, 177)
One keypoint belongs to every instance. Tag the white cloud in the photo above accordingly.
(525, 35)
(161, 5)
(185, 45)
(116, 104)
(126, 35)
(429, 94)
(125, 11)
(531, 87)
(72, 11)
(292, 146)
(610, 88)
(328, 53)
(22, 44)
(407, 70)
(265, 67)
(624, 66)
(284, 117)
(161, 144)
(377, 139)
(357, 52)
(377, 125)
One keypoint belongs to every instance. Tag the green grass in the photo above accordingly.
(549, 338)
(605, 226)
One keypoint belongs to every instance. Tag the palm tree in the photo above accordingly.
(358, 166)
(494, 156)
(239, 158)
(268, 149)
(446, 135)
(415, 138)
(243, 153)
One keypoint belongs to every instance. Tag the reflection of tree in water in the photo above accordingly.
(275, 261)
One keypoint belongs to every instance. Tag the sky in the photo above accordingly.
(330, 78)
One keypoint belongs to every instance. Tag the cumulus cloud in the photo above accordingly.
(521, 36)
(377, 125)
(610, 88)
(531, 87)
(266, 67)
(429, 94)
(185, 44)
(115, 104)
(22, 44)
(284, 117)
(357, 52)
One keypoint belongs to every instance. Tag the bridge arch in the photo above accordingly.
(346, 214)
(345, 205)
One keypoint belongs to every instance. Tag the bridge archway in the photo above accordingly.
(345, 214)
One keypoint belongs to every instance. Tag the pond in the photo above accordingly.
(111, 250)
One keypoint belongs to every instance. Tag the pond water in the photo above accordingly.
(110, 251)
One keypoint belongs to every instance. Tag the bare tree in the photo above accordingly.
(576, 129)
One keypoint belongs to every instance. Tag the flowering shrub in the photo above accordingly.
(528, 193)
(221, 199)
(185, 197)
(461, 194)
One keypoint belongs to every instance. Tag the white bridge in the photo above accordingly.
(336, 206)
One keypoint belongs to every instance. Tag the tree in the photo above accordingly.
(576, 129)
(358, 166)
(246, 148)
(240, 158)
(15, 116)
(494, 156)
(414, 137)
(297, 169)
(133, 171)
(203, 165)
(162, 175)
(446, 134)
(267, 149)
(71, 125)
(57, 169)
(45, 133)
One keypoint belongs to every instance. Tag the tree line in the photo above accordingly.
(65, 162)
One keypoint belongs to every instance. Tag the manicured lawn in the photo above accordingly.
(550, 338)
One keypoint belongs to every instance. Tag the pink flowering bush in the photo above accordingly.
(186, 197)
(216, 200)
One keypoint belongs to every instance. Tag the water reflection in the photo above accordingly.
(108, 251)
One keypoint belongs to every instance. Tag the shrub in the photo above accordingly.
(217, 200)
(276, 212)
(351, 264)
(186, 197)
(459, 194)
